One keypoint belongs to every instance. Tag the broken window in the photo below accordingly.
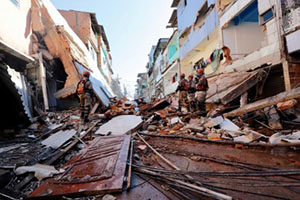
(268, 15)
(244, 35)
(199, 22)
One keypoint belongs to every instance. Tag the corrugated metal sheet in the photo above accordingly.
(19, 82)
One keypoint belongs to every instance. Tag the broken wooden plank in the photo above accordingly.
(54, 158)
(241, 88)
(162, 157)
(204, 190)
(94, 108)
(284, 96)
(43, 82)
(130, 165)
(98, 169)
(120, 125)
(58, 139)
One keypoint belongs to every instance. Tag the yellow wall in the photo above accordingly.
(187, 64)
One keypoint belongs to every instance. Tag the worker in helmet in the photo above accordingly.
(85, 92)
(182, 88)
(201, 89)
(191, 93)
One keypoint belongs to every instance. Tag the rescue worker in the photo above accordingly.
(85, 93)
(201, 89)
(191, 93)
(182, 88)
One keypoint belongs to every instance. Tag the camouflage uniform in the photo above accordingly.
(86, 99)
(182, 97)
(201, 88)
(191, 95)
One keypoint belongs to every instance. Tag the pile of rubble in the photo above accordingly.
(35, 152)
(273, 125)
(121, 149)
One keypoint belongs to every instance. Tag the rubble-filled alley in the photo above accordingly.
(216, 115)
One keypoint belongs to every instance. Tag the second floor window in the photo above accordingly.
(16, 2)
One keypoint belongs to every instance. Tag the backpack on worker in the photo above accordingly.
(81, 87)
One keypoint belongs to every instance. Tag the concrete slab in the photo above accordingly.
(120, 125)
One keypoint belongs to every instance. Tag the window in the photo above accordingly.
(182, 6)
(16, 2)
(268, 15)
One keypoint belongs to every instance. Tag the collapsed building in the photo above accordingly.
(42, 59)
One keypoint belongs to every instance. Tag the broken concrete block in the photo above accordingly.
(195, 158)
(152, 128)
(228, 125)
(273, 118)
(286, 104)
(143, 148)
(214, 136)
(214, 122)
(109, 197)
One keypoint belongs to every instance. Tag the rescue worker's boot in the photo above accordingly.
(193, 106)
(82, 115)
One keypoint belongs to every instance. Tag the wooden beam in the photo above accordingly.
(43, 82)
(130, 165)
(94, 108)
(286, 75)
(216, 195)
(284, 96)
(241, 88)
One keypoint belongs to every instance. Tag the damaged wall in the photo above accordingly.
(17, 24)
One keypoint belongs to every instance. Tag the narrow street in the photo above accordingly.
(206, 108)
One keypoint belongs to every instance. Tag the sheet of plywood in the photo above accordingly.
(120, 125)
(58, 139)
(227, 87)
(98, 169)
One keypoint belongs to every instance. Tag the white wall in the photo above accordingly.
(243, 39)
(15, 27)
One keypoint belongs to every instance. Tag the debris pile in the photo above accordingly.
(253, 127)
(33, 154)
(185, 155)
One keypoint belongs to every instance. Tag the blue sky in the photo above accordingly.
(131, 26)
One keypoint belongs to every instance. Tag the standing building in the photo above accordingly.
(159, 65)
(172, 70)
(93, 35)
(198, 30)
(15, 57)
(142, 85)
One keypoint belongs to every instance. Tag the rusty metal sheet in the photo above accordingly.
(99, 168)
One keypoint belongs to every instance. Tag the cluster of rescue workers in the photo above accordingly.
(192, 92)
